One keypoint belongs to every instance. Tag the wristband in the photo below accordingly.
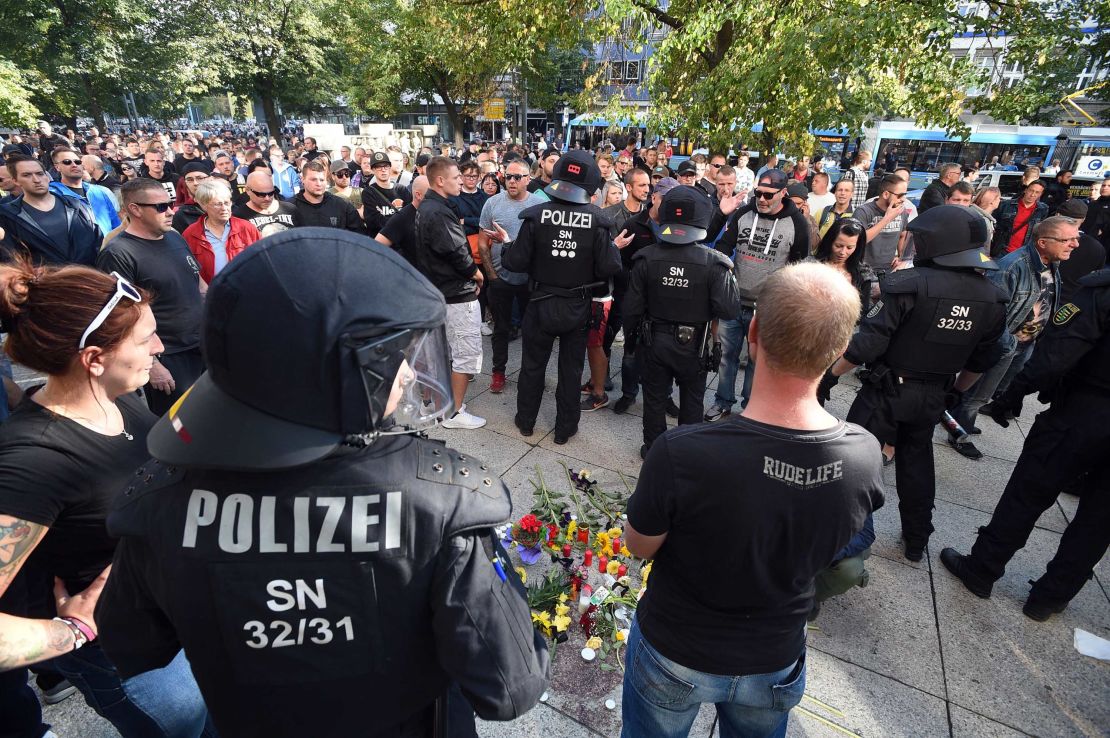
(82, 626)
(78, 636)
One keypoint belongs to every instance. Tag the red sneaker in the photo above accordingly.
(497, 386)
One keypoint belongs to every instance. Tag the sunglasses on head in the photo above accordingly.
(123, 289)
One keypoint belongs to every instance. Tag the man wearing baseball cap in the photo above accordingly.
(761, 237)
(380, 198)
(327, 571)
(548, 159)
(677, 290)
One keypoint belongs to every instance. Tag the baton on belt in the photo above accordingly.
(439, 717)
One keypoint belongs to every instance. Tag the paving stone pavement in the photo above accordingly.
(912, 654)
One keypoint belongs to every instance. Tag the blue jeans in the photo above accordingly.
(732, 334)
(993, 381)
(162, 703)
(662, 698)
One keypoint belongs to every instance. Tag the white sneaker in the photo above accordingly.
(487, 328)
(618, 340)
(464, 420)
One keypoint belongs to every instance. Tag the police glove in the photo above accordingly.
(1004, 408)
(824, 389)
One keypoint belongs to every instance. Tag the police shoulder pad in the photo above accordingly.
(1101, 278)
(645, 252)
(443, 465)
(903, 281)
(715, 257)
(533, 212)
(150, 477)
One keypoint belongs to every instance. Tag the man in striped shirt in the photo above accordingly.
(857, 175)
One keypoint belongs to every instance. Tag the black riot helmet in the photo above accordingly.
(576, 178)
(306, 336)
(950, 235)
(684, 215)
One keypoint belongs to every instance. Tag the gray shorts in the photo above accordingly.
(464, 336)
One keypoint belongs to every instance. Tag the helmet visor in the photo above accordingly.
(422, 387)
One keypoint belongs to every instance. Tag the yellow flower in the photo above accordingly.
(602, 542)
(594, 643)
(561, 622)
(615, 532)
(543, 619)
(562, 598)
(620, 635)
(572, 527)
(613, 567)
(523, 574)
(625, 551)
(644, 574)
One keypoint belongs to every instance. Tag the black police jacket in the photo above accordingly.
(563, 245)
(336, 599)
(443, 250)
(688, 284)
(932, 320)
(1075, 346)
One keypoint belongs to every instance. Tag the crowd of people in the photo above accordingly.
(275, 321)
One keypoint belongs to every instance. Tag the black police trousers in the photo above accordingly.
(905, 420)
(566, 319)
(660, 363)
(1069, 439)
(501, 297)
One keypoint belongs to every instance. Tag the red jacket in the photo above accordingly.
(242, 235)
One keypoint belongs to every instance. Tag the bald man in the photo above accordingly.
(264, 207)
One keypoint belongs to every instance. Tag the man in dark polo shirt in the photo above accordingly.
(155, 257)
(776, 492)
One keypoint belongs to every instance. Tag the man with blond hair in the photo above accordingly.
(776, 491)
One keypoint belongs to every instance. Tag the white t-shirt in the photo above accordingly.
(817, 202)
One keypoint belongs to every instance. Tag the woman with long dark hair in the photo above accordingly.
(67, 451)
(842, 248)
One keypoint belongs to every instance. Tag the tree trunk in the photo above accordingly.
(455, 116)
(264, 88)
(96, 110)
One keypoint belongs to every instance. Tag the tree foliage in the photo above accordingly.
(724, 66)
(16, 107)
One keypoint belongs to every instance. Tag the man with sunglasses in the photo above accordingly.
(885, 219)
(153, 256)
(263, 208)
(709, 181)
(71, 170)
(341, 175)
(761, 237)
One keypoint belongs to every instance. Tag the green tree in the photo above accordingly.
(16, 108)
(723, 66)
(274, 50)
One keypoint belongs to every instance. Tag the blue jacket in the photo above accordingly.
(101, 200)
(21, 232)
(1005, 217)
(860, 541)
(287, 181)
(1019, 276)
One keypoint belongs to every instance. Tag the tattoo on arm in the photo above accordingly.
(24, 641)
(17, 539)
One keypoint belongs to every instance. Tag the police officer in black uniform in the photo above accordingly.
(934, 330)
(327, 572)
(566, 247)
(1071, 368)
(677, 289)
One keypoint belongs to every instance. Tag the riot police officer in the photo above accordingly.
(677, 289)
(1071, 366)
(934, 330)
(326, 571)
(567, 249)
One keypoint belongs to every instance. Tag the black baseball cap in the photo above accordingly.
(684, 215)
(775, 178)
(282, 325)
(549, 152)
(379, 159)
(797, 189)
(686, 167)
(576, 178)
(951, 235)
(422, 160)
(203, 165)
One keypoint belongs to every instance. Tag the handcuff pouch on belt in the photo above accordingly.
(882, 377)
